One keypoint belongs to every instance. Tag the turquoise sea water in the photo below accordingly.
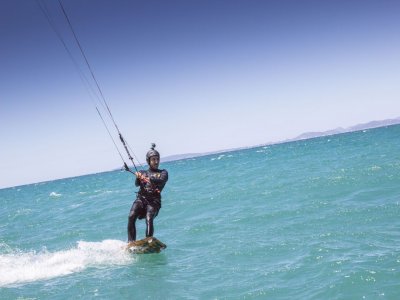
(311, 219)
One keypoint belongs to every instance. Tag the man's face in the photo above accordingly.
(154, 162)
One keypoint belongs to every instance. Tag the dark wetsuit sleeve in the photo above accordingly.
(137, 181)
(160, 181)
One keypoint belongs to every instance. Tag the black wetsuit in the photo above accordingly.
(148, 201)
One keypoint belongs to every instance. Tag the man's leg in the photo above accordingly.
(133, 215)
(151, 213)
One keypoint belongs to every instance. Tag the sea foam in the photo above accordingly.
(18, 267)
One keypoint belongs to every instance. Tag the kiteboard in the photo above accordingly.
(145, 246)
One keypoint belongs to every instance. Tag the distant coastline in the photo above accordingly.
(303, 136)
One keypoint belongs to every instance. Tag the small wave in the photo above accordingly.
(374, 168)
(54, 194)
(23, 212)
(219, 157)
(18, 267)
(102, 192)
(76, 205)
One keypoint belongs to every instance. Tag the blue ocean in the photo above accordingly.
(310, 219)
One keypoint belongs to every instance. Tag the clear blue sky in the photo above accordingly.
(191, 76)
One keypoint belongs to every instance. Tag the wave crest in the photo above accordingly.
(18, 267)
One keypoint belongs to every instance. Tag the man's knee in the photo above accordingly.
(132, 216)
(151, 212)
(149, 217)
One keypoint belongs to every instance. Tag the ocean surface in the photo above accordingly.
(311, 219)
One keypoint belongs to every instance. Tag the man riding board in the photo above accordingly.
(148, 201)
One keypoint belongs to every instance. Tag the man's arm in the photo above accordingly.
(140, 177)
(160, 181)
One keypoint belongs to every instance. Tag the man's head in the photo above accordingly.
(153, 157)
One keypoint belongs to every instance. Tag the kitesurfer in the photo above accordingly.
(148, 202)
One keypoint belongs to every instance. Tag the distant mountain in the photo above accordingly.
(303, 136)
(310, 135)
(369, 125)
(374, 124)
(181, 156)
